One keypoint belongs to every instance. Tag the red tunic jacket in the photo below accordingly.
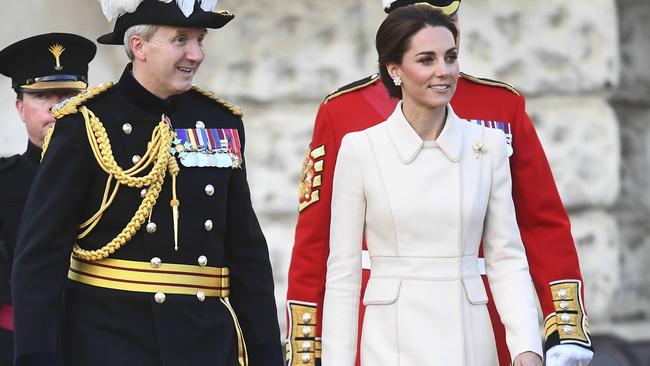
(542, 219)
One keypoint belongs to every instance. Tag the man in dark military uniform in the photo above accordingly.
(44, 70)
(144, 183)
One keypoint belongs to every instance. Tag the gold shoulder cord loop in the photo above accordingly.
(157, 154)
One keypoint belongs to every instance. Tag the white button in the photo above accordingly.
(566, 317)
(306, 331)
(127, 128)
(143, 192)
(200, 295)
(156, 262)
(564, 305)
(200, 124)
(568, 329)
(135, 159)
(306, 358)
(151, 227)
(306, 317)
(159, 297)
(562, 294)
(209, 189)
(306, 346)
(208, 225)
(203, 261)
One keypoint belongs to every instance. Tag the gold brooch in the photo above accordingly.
(479, 148)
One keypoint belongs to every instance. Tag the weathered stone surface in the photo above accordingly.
(277, 138)
(542, 46)
(635, 50)
(581, 140)
(597, 241)
(279, 230)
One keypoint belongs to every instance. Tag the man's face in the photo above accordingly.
(35, 110)
(171, 58)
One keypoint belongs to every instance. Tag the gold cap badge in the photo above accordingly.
(57, 50)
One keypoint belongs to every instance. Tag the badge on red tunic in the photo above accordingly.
(311, 177)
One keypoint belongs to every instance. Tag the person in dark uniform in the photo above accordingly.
(139, 244)
(44, 70)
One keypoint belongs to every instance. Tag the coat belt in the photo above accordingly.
(180, 279)
(435, 268)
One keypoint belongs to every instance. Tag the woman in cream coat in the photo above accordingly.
(423, 188)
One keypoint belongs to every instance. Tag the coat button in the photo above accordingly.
(306, 358)
(305, 346)
(135, 159)
(306, 331)
(200, 124)
(203, 261)
(208, 225)
(200, 295)
(567, 329)
(209, 189)
(127, 128)
(306, 317)
(564, 305)
(562, 294)
(566, 317)
(151, 227)
(159, 297)
(156, 262)
(143, 192)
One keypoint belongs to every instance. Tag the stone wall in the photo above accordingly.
(588, 93)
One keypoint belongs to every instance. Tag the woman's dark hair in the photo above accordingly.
(395, 33)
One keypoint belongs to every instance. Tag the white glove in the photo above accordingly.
(568, 355)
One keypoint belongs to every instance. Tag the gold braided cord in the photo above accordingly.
(69, 106)
(157, 154)
(231, 107)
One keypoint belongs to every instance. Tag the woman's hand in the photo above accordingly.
(528, 359)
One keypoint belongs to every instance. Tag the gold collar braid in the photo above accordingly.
(157, 154)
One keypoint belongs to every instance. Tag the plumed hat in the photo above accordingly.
(182, 13)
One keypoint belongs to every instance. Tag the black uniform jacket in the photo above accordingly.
(16, 175)
(85, 325)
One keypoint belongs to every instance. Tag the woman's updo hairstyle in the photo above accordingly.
(395, 33)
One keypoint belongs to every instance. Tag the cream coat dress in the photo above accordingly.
(423, 207)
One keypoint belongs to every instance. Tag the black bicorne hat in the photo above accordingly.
(157, 12)
(449, 7)
(48, 62)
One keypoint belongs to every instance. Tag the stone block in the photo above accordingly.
(542, 47)
(635, 50)
(581, 140)
(277, 138)
(599, 250)
(279, 233)
(275, 50)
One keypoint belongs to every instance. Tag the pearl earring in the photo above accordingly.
(397, 81)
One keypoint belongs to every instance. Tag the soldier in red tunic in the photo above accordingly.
(542, 219)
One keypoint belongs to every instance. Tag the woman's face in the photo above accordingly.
(429, 68)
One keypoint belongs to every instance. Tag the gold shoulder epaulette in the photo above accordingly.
(490, 82)
(359, 84)
(69, 106)
(231, 107)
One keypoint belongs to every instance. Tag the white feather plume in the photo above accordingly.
(115, 8)
(208, 5)
(187, 6)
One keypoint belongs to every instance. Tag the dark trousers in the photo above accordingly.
(6, 347)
